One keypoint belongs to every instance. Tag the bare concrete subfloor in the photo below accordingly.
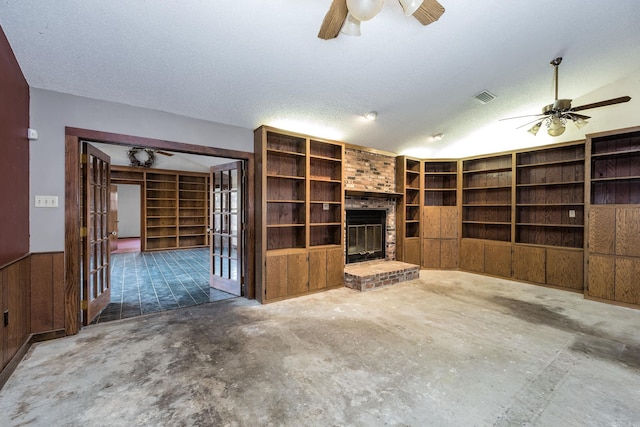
(449, 349)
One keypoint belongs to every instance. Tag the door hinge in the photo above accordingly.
(83, 231)
(83, 158)
(84, 304)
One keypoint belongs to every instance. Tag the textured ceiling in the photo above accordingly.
(253, 62)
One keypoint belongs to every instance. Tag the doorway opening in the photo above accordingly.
(202, 252)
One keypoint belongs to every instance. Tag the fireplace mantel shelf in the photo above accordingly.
(381, 194)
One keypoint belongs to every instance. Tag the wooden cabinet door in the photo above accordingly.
(297, 273)
(449, 222)
(318, 267)
(449, 253)
(627, 288)
(497, 259)
(472, 256)
(431, 222)
(431, 253)
(602, 230)
(335, 267)
(601, 273)
(565, 268)
(529, 263)
(412, 251)
(276, 276)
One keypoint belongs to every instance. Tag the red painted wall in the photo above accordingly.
(14, 157)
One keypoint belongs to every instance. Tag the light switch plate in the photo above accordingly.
(572, 213)
(325, 206)
(46, 201)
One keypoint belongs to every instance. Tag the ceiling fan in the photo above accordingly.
(346, 15)
(556, 115)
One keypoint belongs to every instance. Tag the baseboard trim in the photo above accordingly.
(15, 361)
(22, 351)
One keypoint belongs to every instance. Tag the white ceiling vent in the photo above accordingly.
(485, 96)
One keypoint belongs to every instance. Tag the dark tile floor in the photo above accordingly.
(147, 282)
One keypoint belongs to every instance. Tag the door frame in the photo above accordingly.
(73, 138)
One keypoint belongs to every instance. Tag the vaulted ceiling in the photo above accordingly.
(252, 62)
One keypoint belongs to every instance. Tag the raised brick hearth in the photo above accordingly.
(368, 275)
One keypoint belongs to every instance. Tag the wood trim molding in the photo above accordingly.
(73, 137)
(138, 141)
(72, 235)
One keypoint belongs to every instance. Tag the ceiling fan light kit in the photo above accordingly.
(364, 10)
(344, 16)
(410, 6)
(351, 26)
(556, 115)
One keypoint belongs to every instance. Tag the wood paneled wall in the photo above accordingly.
(47, 292)
(15, 322)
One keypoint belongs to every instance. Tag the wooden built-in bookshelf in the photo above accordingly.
(613, 229)
(440, 214)
(408, 217)
(550, 196)
(486, 198)
(300, 205)
(175, 206)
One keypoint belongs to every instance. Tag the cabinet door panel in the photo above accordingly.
(449, 253)
(601, 276)
(431, 253)
(297, 273)
(412, 251)
(431, 222)
(472, 256)
(497, 259)
(529, 264)
(318, 269)
(628, 232)
(565, 268)
(335, 267)
(602, 230)
(627, 283)
(449, 222)
(276, 276)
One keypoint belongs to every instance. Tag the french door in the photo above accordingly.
(94, 216)
(227, 228)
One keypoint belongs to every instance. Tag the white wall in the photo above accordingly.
(51, 111)
(128, 210)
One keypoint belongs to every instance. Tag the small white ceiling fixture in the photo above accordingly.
(438, 136)
(371, 115)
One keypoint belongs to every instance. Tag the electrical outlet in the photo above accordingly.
(572, 213)
(46, 201)
(325, 206)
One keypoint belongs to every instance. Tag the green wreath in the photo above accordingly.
(136, 162)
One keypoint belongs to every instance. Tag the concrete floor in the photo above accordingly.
(449, 349)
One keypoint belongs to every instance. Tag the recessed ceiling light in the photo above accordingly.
(371, 115)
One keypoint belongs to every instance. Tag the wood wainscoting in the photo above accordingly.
(15, 323)
(47, 292)
(32, 302)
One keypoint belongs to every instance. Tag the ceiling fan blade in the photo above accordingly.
(333, 20)
(602, 103)
(164, 153)
(577, 116)
(521, 117)
(428, 12)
